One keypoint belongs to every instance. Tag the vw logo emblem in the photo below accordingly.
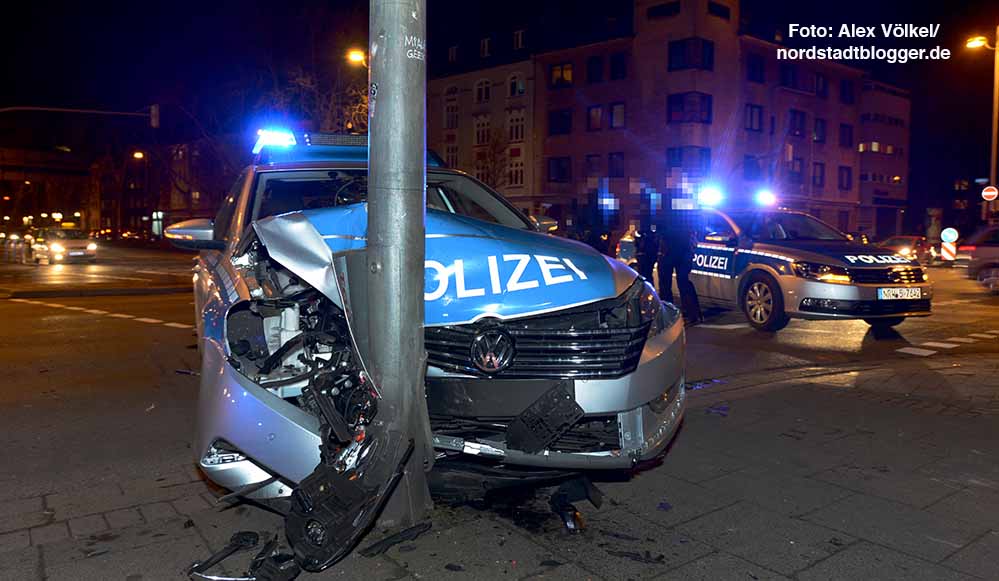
(492, 351)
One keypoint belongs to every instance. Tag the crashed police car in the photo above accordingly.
(544, 356)
(777, 264)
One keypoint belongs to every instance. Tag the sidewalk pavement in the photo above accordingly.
(885, 473)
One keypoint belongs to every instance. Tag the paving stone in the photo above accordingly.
(975, 468)
(87, 525)
(18, 506)
(191, 504)
(157, 511)
(374, 569)
(900, 486)
(767, 538)
(119, 519)
(980, 558)
(162, 561)
(22, 521)
(162, 533)
(14, 541)
(665, 500)
(218, 524)
(971, 504)
(697, 464)
(785, 493)
(721, 567)
(482, 549)
(866, 561)
(49, 533)
(20, 565)
(898, 526)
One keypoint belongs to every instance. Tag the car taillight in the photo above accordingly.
(966, 248)
(617, 249)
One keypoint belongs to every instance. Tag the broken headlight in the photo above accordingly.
(658, 314)
(821, 272)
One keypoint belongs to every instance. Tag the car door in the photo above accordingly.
(712, 272)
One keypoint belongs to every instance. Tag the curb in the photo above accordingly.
(7, 293)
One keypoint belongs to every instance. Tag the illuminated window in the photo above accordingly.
(861, 147)
(889, 149)
(875, 146)
(561, 75)
(896, 179)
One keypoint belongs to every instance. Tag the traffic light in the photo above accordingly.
(154, 116)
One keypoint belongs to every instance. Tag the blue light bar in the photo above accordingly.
(273, 137)
(710, 196)
(766, 198)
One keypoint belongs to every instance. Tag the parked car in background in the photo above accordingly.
(15, 243)
(916, 247)
(57, 245)
(859, 237)
(981, 254)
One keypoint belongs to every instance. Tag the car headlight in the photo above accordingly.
(658, 314)
(821, 272)
(92, 246)
(56, 247)
(904, 251)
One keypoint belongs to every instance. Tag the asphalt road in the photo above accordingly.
(820, 452)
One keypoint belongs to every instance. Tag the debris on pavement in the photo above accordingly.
(664, 506)
(570, 491)
(718, 410)
(387, 543)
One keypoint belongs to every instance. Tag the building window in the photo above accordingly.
(861, 147)
(664, 10)
(481, 136)
(615, 164)
(515, 174)
(592, 167)
(451, 114)
(561, 75)
(755, 65)
(796, 123)
(594, 118)
(483, 89)
(796, 170)
(845, 135)
(846, 94)
(560, 122)
(819, 134)
(560, 169)
(451, 156)
(452, 54)
(818, 174)
(751, 168)
(691, 160)
(618, 66)
(875, 146)
(845, 177)
(789, 75)
(595, 69)
(515, 126)
(484, 47)
(889, 149)
(896, 179)
(754, 117)
(518, 39)
(821, 85)
(690, 107)
(517, 87)
(719, 10)
(617, 116)
(691, 53)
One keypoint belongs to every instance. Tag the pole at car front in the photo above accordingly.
(396, 215)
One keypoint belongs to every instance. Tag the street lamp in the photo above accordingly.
(356, 57)
(138, 155)
(57, 216)
(76, 214)
(979, 42)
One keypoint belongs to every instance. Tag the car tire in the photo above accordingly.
(885, 322)
(763, 303)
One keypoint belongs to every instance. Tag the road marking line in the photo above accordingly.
(981, 336)
(960, 340)
(916, 351)
(19, 301)
(116, 277)
(74, 308)
(148, 320)
(56, 305)
(95, 311)
(177, 325)
(725, 327)
(940, 345)
(121, 316)
(995, 331)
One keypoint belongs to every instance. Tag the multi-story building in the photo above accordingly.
(681, 100)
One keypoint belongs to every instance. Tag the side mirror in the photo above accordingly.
(544, 223)
(196, 234)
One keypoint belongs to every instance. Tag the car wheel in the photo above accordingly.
(885, 322)
(989, 278)
(763, 303)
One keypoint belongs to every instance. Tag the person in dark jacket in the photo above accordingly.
(646, 250)
(677, 255)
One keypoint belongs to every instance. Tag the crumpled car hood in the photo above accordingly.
(474, 269)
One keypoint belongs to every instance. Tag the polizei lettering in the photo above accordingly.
(553, 271)
(873, 259)
(716, 262)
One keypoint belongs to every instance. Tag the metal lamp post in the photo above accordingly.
(979, 42)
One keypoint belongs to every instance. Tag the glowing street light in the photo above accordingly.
(977, 42)
(983, 42)
(57, 216)
(138, 155)
(76, 214)
(356, 57)
(27, 182)
(44, 215)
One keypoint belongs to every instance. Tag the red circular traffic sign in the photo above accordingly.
(990, 193)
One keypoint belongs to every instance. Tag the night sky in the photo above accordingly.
(128, 55)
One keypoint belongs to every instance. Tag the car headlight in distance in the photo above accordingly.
(56, 247)
(904, 251)
(660, 315)
(92, 246)
(822, 272)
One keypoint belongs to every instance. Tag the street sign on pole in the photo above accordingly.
(949, 235)
(990, 193)
(948, 251)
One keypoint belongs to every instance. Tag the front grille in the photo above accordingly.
(897, 275)
(590, 434)
(544, 352)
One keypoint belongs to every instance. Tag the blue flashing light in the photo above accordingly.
(273, 137)
(766, 198)
(710, 196)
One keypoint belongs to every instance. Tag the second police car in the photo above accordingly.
(775, 264)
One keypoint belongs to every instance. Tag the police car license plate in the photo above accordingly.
(77, 253)
(889, 294)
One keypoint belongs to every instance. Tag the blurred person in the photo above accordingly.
(678, 243)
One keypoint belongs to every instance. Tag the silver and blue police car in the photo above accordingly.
(542, 354)
(776, 264)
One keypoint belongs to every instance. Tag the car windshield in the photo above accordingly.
(785, 226)
(278, 192)
(67, 234)
(898, 241)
